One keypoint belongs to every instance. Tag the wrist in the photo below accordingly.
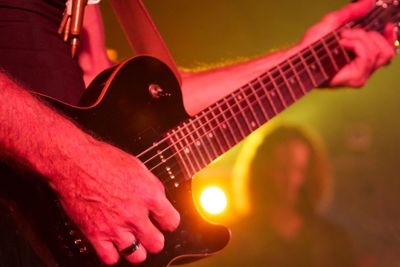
(67, 159)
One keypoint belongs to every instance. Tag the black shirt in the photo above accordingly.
(33, 53)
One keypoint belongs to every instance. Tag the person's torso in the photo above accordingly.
(33, 53)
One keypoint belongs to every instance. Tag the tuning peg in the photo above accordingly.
(397, 42)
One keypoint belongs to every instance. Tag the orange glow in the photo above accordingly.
(213, 200)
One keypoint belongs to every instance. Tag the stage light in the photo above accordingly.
(213, 200)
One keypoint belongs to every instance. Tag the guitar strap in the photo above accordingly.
(141, 31)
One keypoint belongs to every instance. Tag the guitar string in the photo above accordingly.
(180, 169)
(230, 118)
(201, 136)
(237, 105)
(207, 111)
(347, 25)
(175, 163)
(203, 114)
(191, 143)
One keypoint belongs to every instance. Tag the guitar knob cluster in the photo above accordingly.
(74, 242)
(81, 245)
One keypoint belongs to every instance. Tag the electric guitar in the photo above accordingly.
(137, 106)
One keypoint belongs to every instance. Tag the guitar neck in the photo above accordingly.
(224, 124)
(204, 137)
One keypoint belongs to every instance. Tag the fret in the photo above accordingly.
(216, 121)
(197, 142)
(187, 151)
(282, 88)
(248, 108)
(223, 124)
(230, 122)
(238, 98)
(252, 104)
(292, 79)
(276, 91)
(299, 80)
(266, 94)
(232, 108)
(314, 83)
(344, 52)
(271, 94)
(208, 145)
(214, 132)
(192, 150)
(325, 59)
(260, 92)
(202, 142)
(284, 74)
(318, 60)
(339, 53)
(263, 111)
(216, 147)
(329, 52)
(178, 148)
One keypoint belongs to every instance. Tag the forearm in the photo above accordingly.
(106, 192)
(371, 51)
(201, 89)
(35, 135)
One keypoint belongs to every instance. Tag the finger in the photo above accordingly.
(349, 13)
(164, 213)
(124, 241)
(138, 256)
(355, 73)
(149, 236)
(390, 33)
(336, 19)
(385, 50)
(378, 49)
(359, 35)
(358, 41)
(106, 251)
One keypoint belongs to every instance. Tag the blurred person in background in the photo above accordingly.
(289, 183)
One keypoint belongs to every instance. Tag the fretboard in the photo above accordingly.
(216, 129)
(204, 137)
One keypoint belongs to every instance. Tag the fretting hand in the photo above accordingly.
(372, 50)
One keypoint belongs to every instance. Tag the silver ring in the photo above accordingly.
(131, 249)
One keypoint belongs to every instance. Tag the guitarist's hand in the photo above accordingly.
(111, 196)
(372, 49)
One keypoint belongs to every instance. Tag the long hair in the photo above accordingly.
(315, 191)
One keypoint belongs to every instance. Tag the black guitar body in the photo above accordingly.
(138, 103)
(131, 106)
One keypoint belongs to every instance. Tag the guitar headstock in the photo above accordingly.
(385, 11)
(392, 9)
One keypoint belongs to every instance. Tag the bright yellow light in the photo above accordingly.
(213, 200)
